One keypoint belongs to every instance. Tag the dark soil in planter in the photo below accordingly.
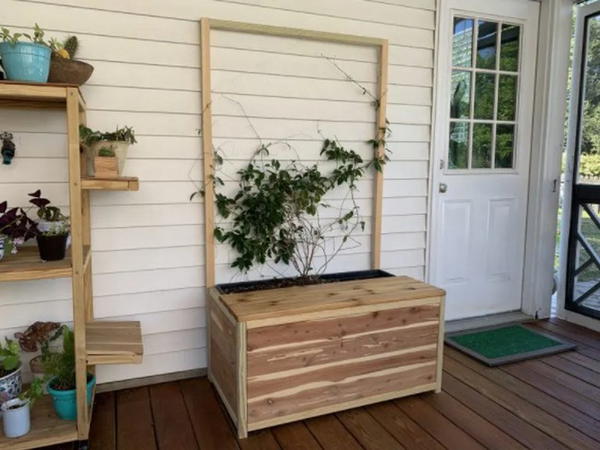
(15, 407)
(52, 248)
(3, 372)
(275, 283)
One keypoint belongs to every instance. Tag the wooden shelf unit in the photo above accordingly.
(96, 342)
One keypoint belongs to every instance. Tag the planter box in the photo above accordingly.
(281, 355)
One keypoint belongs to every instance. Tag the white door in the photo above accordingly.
(484, 107)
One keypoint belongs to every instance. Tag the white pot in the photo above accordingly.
(2, 245)
(119, 147)
(11, 385)
(17, 420)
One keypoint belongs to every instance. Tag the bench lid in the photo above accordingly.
(273, 303)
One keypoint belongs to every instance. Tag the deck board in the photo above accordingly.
(548, 403)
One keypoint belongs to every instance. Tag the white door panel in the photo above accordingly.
(486, 71)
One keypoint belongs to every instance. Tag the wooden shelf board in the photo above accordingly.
(14, 94)
(111, 184)
(114, 342)
(27, 265)
(46, 429)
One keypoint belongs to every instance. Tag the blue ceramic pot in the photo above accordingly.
(65, 402)
(26, 61)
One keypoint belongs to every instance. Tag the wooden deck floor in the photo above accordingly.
(548, 403)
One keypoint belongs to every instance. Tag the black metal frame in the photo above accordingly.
(581, 197)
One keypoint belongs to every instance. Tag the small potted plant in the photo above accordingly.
(106, 164)
(25, 61)
(53, 229)
(118, 141)
(63, 66)
(10, 370)
(16, 412)
(38, 336)
(62, 386)
(15, 228)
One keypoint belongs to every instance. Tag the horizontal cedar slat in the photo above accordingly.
(319, 397)
(326, 329)
(339, 349)
(275, 384)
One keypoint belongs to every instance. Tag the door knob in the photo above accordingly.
(443, 187)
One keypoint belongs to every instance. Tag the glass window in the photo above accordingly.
(484, 94)
(462, 44)
(509, 47)
(487, 37)
(458, 155)
(460, 100)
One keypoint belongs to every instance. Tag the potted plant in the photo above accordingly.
(62, 387)
(118, 141)
(10, 370)
(38, 336)
(106, 164)
(15, 228)
(53, 229)
(16, 412)
(25, 61)
(63, 66)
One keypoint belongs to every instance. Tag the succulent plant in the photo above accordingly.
(71, 45)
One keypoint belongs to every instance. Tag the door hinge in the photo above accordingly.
(554, 185)
(442, 164)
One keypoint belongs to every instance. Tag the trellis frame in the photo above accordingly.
(206, 25)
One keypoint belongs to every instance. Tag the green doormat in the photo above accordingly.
(505, 344)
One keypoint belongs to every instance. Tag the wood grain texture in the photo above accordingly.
(273, 303)
(223, 362)
(136, 424)
(345, 358)
(103, 429)
(110, 342)
(46, 429)
(171, 419)
(207, 417)
(326, 395)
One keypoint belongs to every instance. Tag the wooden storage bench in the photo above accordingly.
(281, 355)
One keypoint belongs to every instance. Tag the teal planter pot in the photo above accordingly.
(25, 61)
(65, 402)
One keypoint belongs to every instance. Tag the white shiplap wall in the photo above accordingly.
(148, 244)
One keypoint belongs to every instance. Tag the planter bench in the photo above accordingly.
(282, 355)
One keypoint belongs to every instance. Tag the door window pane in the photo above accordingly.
(486, 44)
(507, 97)
(482, 146)
(484, 95)
(462, 43)
(458, 153)
(509, 47)
(460, 104)
(505, 142)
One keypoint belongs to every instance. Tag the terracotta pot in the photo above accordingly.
(63, 70)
